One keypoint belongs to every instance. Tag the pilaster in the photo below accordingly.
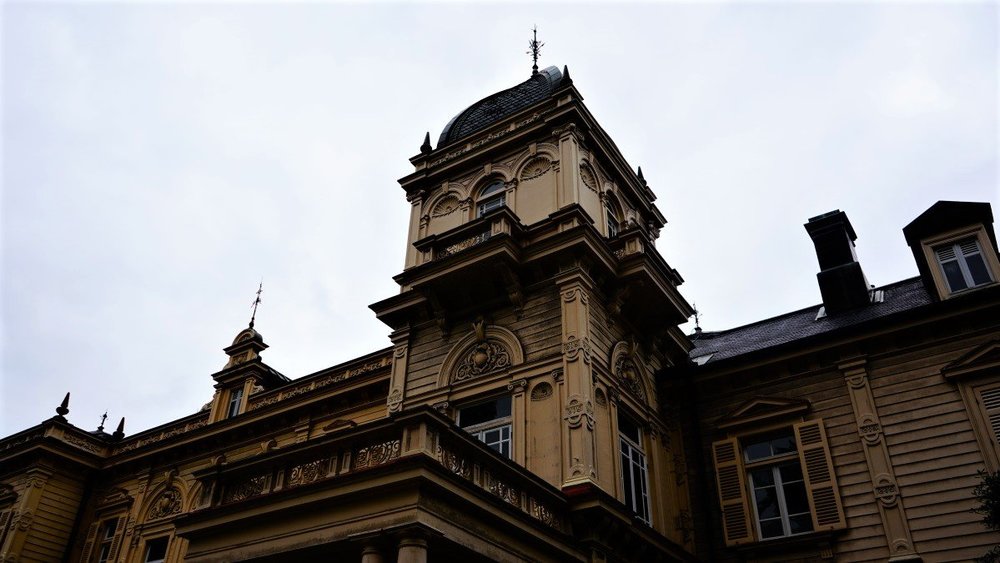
(568, 173)
(578, 428)
(885, 489)
(397, 378)
(22, 521)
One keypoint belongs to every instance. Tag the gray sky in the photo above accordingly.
(160, 159)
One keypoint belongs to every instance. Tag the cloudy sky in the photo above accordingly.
(160, 159)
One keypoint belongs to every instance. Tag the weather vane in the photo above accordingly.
(260, 288)
(100, 427)
(697, 317)
(535, 50)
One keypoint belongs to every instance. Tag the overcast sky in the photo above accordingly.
(160, 159)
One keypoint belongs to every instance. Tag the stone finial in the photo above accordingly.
(566, 80)
(426, 147)
(642, 180)
(63, 409)
(120, 431)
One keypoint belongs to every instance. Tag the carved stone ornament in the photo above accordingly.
(535, 168)
(626, 373)
(395, 400)
(306, 473)
(247, 488)
(167, 504)
(541, 392)
(578, 411)
(454, 463)
(115, 496)
(588, 177)
(485, 357)
(446, 206)
(377, 454)
(886, 491)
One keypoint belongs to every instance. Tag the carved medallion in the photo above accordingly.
(485, 357)
(167, 504)
(628, 375)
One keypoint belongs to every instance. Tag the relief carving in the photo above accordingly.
(485, 357)
(377, 454)
(541, 391)
(247, 488)
(446, 206)
(574, 347)
(395, 400)
(535, 168)
(167, 504)
(588, 177)
(454, 463)
(628, 375)
(306, 473)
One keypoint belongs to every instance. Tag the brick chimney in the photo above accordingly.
(841, 281)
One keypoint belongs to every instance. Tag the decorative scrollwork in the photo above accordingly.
(395, 400)
(505, 492)
(485, 357)
(306, 473)
(247, 488)
(535, 168)
(454, 463)
(167, 504)
(377, 454)
(628, 375)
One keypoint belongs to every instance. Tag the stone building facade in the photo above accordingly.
(538, 401)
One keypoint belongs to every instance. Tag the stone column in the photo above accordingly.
(371, 554)
(412, 550)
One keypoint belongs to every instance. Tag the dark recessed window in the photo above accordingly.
(107, 539)
(156, 550)
(489, 422)
(780, 504)
(634, 476)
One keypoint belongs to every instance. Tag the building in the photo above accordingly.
(538, 401)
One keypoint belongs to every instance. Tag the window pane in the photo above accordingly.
(628, 428)
(977, 267)
(954, 274)
(783, 445)
(790, 472)
(762, 477)
(795, 498)
(767, 502)
(800, 524)
(771, 529)
(484, 412)
(758, 450)
(626, 476)
(492, 188)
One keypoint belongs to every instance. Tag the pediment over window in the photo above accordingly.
(487, 350)
(981, 360)
(764, 409)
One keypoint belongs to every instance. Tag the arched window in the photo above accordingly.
(492, 197)
(611, 218)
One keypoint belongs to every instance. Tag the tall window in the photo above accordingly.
(107, 539)
(156, 550)
(489, 422)
(612, 222)
(235, 402)
(491, 198)
(963, 264)
(780, 504)
(634, 479)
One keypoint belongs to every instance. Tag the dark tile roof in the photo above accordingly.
(897, 297)
(492, 109)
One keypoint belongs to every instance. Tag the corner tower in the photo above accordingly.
(533, 308)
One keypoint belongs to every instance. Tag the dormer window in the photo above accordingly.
(235, 402)
(492, 197)
(962, 264)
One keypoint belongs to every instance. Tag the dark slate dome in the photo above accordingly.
(493, 108)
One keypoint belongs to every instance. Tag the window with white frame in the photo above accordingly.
(612, 220)
(490, 422)
(634, 473)
(780, 503)
(492, 197)
(963, 264)
(156, 550)
(235, 402)
(107, 540)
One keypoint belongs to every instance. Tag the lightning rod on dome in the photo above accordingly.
(534, 49)
(253, 316)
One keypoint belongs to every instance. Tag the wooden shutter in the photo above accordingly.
(732, 491)
(821, 481)
(990, 401)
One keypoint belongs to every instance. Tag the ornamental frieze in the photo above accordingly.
(247, 488)
(306, 473)
(377, 454)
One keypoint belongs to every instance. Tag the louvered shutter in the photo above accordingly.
(821, 481)
(732, 491)
(990, 400)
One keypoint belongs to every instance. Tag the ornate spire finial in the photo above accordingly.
(697, 317)
(566, 80)
(100, 427)
(641, 179)
(535, 50)
(120, 431)
(253, 316)
(426, 147)
(63, 409)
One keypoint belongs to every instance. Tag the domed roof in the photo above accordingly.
(492, 109)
